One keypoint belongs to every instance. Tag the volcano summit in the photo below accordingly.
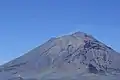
(77, 56)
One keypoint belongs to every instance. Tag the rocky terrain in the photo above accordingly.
(77, 56)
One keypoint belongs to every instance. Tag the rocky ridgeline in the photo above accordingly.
(78, 52)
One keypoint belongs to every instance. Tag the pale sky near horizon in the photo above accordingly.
(25, 24)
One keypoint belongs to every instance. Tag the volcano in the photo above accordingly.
(77, 56)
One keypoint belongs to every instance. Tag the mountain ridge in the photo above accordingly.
(71, 55)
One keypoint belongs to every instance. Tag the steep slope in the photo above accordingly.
(78, 56)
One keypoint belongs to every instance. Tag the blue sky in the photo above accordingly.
(25, 24)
